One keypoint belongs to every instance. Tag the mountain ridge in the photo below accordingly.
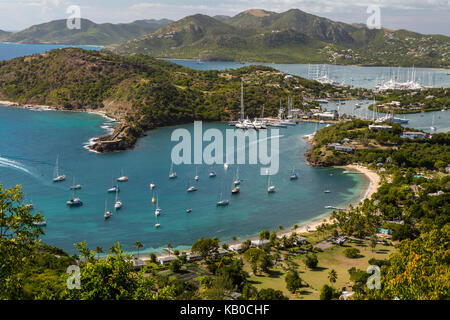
(293, 36)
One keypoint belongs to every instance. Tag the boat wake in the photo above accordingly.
(4, 162)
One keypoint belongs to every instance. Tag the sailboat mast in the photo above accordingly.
(242, 101)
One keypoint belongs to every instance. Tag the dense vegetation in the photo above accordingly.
(146, 93)
(383, 146)
(90, 33)
(413, 101)
(289, 37)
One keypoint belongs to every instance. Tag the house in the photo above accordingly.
(345, 295)
(413, 135)
(236, 247)
(166, 259)
(374, 127)
(259, 243)
(435, 194)
(327, 115)
(447, 168)
(344, 148)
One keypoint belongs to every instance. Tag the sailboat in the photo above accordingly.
(222, 202)
(118, 203)
(107, 213)
(122, 178)
(75, 201)
(327, 190)
(58, 177)
(433, 128)
(172, 174)
(212, 173)
(235, 189)
(196, 174)
(237, 181)
(152, 186)
(157, 224)
(191, 188)
(225, 166)
(75, 186)
(270, 188)
(158, 209)
(294, 175)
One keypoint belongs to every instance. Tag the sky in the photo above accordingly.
(424, 16)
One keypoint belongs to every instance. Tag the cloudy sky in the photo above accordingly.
(425, 16)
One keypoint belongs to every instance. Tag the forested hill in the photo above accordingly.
(146, 92)
(90, 33)
(293, 36)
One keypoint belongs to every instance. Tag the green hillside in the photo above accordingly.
(89, 34)
(145, 93)
(289, 37)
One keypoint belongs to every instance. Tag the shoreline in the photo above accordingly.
(86, 145)
(303, 227)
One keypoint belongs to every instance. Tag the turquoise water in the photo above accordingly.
(363, 77)
(14, 50)
(421, 121)
(31, 140)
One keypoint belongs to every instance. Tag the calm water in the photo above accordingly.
(364, 77)
(422, 121)
(31, 140)
(14, 50)
(40, 136)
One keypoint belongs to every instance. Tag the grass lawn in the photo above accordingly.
(331, 258)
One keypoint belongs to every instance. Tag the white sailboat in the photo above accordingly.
(191, 188)
(270, 188)
(158, 209)
(152, 186)
(237, 181)
(196, 174)
(56, 176)
(107, 213)
(172, 174)
(294, 175)
(222, 202)
(118, 203)
(122, 178)
(75, 186)
(75, 201)
(212, 173)
(327, 190)
(433, 128)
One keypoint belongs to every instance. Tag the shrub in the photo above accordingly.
(352, 253)
(311, 261)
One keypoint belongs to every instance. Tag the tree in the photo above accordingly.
(98, 250)
(175, 266)
(271, 294)
(373, 242)
(264, 235)
(419, 270)
(352, 253)
(258, 259)
(332, 276)
(205, 247)
(18, 239)
(293, 281)
(138, 245)
(153, 257)
(327, 292)
(311, 260)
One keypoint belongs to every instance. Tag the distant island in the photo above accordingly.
(255, 35)
(293, 36)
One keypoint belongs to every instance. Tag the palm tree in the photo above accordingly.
(295, 227)
(138, 245)
(98, 250)
(169, 246)
(332, 276)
